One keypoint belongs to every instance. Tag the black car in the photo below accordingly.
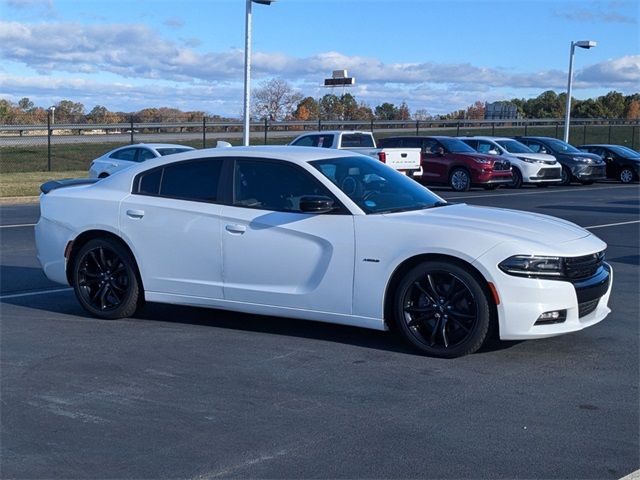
(623, 163)
(577, 166)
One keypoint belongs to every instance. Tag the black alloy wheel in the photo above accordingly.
(105, 280)
(516, 182)
(626, 175)
(442, 310)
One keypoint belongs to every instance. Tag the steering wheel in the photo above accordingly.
(352, 186)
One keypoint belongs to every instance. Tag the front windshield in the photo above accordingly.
(456, 146)
(562, 147)
(625, 151)
(375, 187)
(513, 146)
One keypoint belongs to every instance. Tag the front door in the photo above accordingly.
(274, 254)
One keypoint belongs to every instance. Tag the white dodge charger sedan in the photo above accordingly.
(323, 235)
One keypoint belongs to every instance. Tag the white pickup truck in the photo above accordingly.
(406, 160)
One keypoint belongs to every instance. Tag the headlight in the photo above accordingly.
(532, 266)
(482, 160)
(583, 160)
(528, 160)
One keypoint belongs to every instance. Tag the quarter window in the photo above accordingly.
(273, 186)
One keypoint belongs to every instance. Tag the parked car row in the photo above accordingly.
(460, 162)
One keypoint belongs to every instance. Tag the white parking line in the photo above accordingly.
(612, 224)
(540, 192)
(19, 226)
(40, 292)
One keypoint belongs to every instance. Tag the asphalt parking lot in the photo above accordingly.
(194, 393)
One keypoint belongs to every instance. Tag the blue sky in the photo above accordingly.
(435, 55)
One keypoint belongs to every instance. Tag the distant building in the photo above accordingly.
(500, 111)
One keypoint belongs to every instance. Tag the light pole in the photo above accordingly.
(53, 112)
(247, 67)
(567, 114)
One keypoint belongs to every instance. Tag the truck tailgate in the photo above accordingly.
(402, 158)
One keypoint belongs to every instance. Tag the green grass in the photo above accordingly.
(24, 184)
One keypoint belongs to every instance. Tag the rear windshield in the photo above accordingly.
(170, 151)
(357, 140)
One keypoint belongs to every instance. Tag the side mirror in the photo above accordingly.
(316, 204)
(608, 158)
(493, 152)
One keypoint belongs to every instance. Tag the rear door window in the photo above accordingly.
(127, 154)
(145, 154)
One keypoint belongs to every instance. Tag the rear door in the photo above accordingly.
(172, 222)
(274, 254)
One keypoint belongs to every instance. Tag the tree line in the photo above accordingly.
(276, 100)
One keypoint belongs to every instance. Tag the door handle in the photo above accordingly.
(238, 229)
(135, 213)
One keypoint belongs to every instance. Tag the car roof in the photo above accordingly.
(485, 137)
(160, 145)
(335, 132)
(601, 145)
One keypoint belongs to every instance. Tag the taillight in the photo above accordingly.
(382, 156)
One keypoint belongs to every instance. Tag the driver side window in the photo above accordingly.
(269, 185)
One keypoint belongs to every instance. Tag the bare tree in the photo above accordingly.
(275, 100)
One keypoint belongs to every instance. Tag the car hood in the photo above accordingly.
(592, 156)
(502, 224)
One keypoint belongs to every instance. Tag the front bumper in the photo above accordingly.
(492, 177)
(589, 172)
(523, 300)
(545, 174)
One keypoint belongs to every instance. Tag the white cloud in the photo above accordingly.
(156, 70)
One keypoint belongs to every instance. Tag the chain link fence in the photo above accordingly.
(71, 146)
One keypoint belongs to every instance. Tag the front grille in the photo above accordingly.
(576, 268)
(585, 308)
(502, 165)
(548, 173)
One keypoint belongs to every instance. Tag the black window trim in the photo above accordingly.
(135, 189)
(230, 190)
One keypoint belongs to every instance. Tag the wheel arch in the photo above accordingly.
(89, 235)
(411, 262)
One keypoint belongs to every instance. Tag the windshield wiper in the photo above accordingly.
(408, 209)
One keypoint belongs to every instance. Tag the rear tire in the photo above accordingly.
(459, 180)
(103, 175)
(441, 309)
(105, 279)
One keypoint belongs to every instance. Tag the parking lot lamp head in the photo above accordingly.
(247, 67)
(567, 114)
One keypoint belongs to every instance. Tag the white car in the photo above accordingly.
(526, 165)
(125, 157)
(319, 234)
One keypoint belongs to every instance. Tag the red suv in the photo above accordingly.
(447, 160)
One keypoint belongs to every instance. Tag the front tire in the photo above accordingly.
(442, 310)
(565, 178)
(627, 175)
(516, 182)
(105, 279)
(459, 180)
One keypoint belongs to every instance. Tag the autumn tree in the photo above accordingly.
(69, 112)
(275, 100)
(307, 109)
(633, 110)
(403, 112)
(475, 111)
